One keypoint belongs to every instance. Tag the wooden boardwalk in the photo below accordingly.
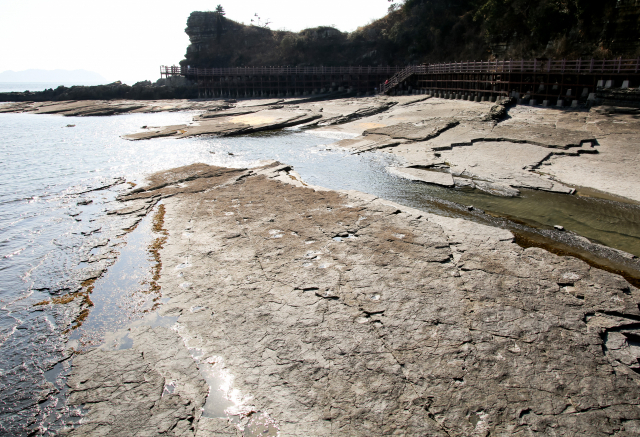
(282, 81)
(536, 79)
(547, 78)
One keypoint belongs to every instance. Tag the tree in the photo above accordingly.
(219, 19)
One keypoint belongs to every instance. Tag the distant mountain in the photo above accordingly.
(60, 76)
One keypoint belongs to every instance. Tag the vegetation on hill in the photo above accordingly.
(416, 31)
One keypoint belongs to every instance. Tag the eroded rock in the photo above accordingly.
(124, 390)
(240, 123)
(343, 314)
(429, 176)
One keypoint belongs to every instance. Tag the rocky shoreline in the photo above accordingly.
(338, 313)
(496, 148)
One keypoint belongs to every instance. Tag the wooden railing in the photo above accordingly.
(399, 77)
(259, 71)
(580, 66)
(561, 66)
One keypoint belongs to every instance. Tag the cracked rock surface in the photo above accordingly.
(124, 390)
(525, 147)
(339, 313)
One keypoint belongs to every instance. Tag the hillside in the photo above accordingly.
(419, 31)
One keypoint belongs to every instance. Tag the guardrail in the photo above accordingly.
(259, 71)
(399, 77)
(561, 66)
(617, 66)
(536, 66)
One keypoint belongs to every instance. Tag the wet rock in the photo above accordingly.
(429, 176)
(91, 231)
(217, 427)
(226, 113)
(414, 131)
(123, 391)
(195, 177)
(345, 110)
(70, 107)
(132, 208)
(229, 125)
(93, 273)
(368, 143)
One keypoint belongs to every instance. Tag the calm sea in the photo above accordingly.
(7, 87)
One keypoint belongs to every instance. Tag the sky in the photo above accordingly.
(128, 40)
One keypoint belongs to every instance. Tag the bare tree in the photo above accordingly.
(256, 21)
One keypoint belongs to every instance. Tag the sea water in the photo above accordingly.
(8, 87)
(59, 176)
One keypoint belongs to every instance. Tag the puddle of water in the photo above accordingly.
(120, 339)
(603, 221)
(123, 293)
(223, 400)
(219, 402)
(260, 424)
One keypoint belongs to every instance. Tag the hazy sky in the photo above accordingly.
(129, 40)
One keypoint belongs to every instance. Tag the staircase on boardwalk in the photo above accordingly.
(398, 78)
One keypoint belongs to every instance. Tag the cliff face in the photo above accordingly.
(220, 42)
(561, 28)
(428, 31)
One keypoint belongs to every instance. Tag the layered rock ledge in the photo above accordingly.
(339, 313)
(491, 147)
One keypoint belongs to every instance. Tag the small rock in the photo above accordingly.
(71, 125)
(84, 202)
(559, 228)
